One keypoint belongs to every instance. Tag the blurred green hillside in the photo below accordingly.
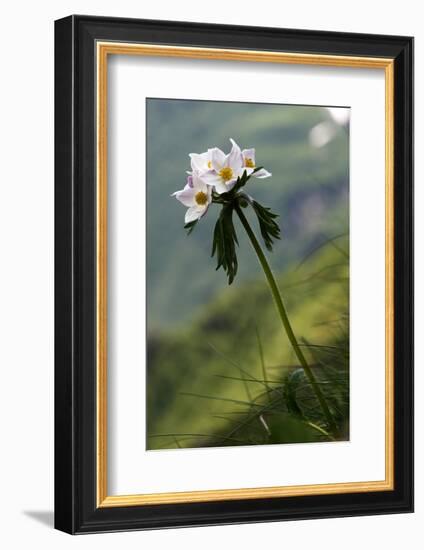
(309, 189)
(195, 373)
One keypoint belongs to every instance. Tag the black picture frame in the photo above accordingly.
(76, 510)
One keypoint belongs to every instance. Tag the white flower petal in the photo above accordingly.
(221, 187)
(209, 193)
(211, 178)
(193, 213)
(224, 187)
(217, 158)
(186, 196)
(262, 173)
(199, 162)
(234, 144)
(235, 158)
(198, 183)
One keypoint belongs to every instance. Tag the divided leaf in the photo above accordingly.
(224, 243)
(269, 228)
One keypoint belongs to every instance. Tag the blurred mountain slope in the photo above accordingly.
(190, 369)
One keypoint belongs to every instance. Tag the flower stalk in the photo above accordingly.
(285, 320)
(220, 179)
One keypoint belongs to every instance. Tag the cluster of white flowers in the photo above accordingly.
(218, 172)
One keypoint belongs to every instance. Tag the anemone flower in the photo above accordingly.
(249, 163)
(225, 169)
(196, 195)
(201, 162)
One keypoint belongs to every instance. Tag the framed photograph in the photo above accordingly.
(233, 274)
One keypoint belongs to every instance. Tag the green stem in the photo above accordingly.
(285, 320)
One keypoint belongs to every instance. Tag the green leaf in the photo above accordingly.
(224, 243)
(190, 226)
(243, 179)
(269, 228)
(241, 182)
(293, 381)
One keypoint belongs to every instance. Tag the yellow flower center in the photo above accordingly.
(209, 164)
(249, 162)
(226, 173)
(201, 198)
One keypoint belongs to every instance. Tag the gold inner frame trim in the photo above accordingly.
(104, 49)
